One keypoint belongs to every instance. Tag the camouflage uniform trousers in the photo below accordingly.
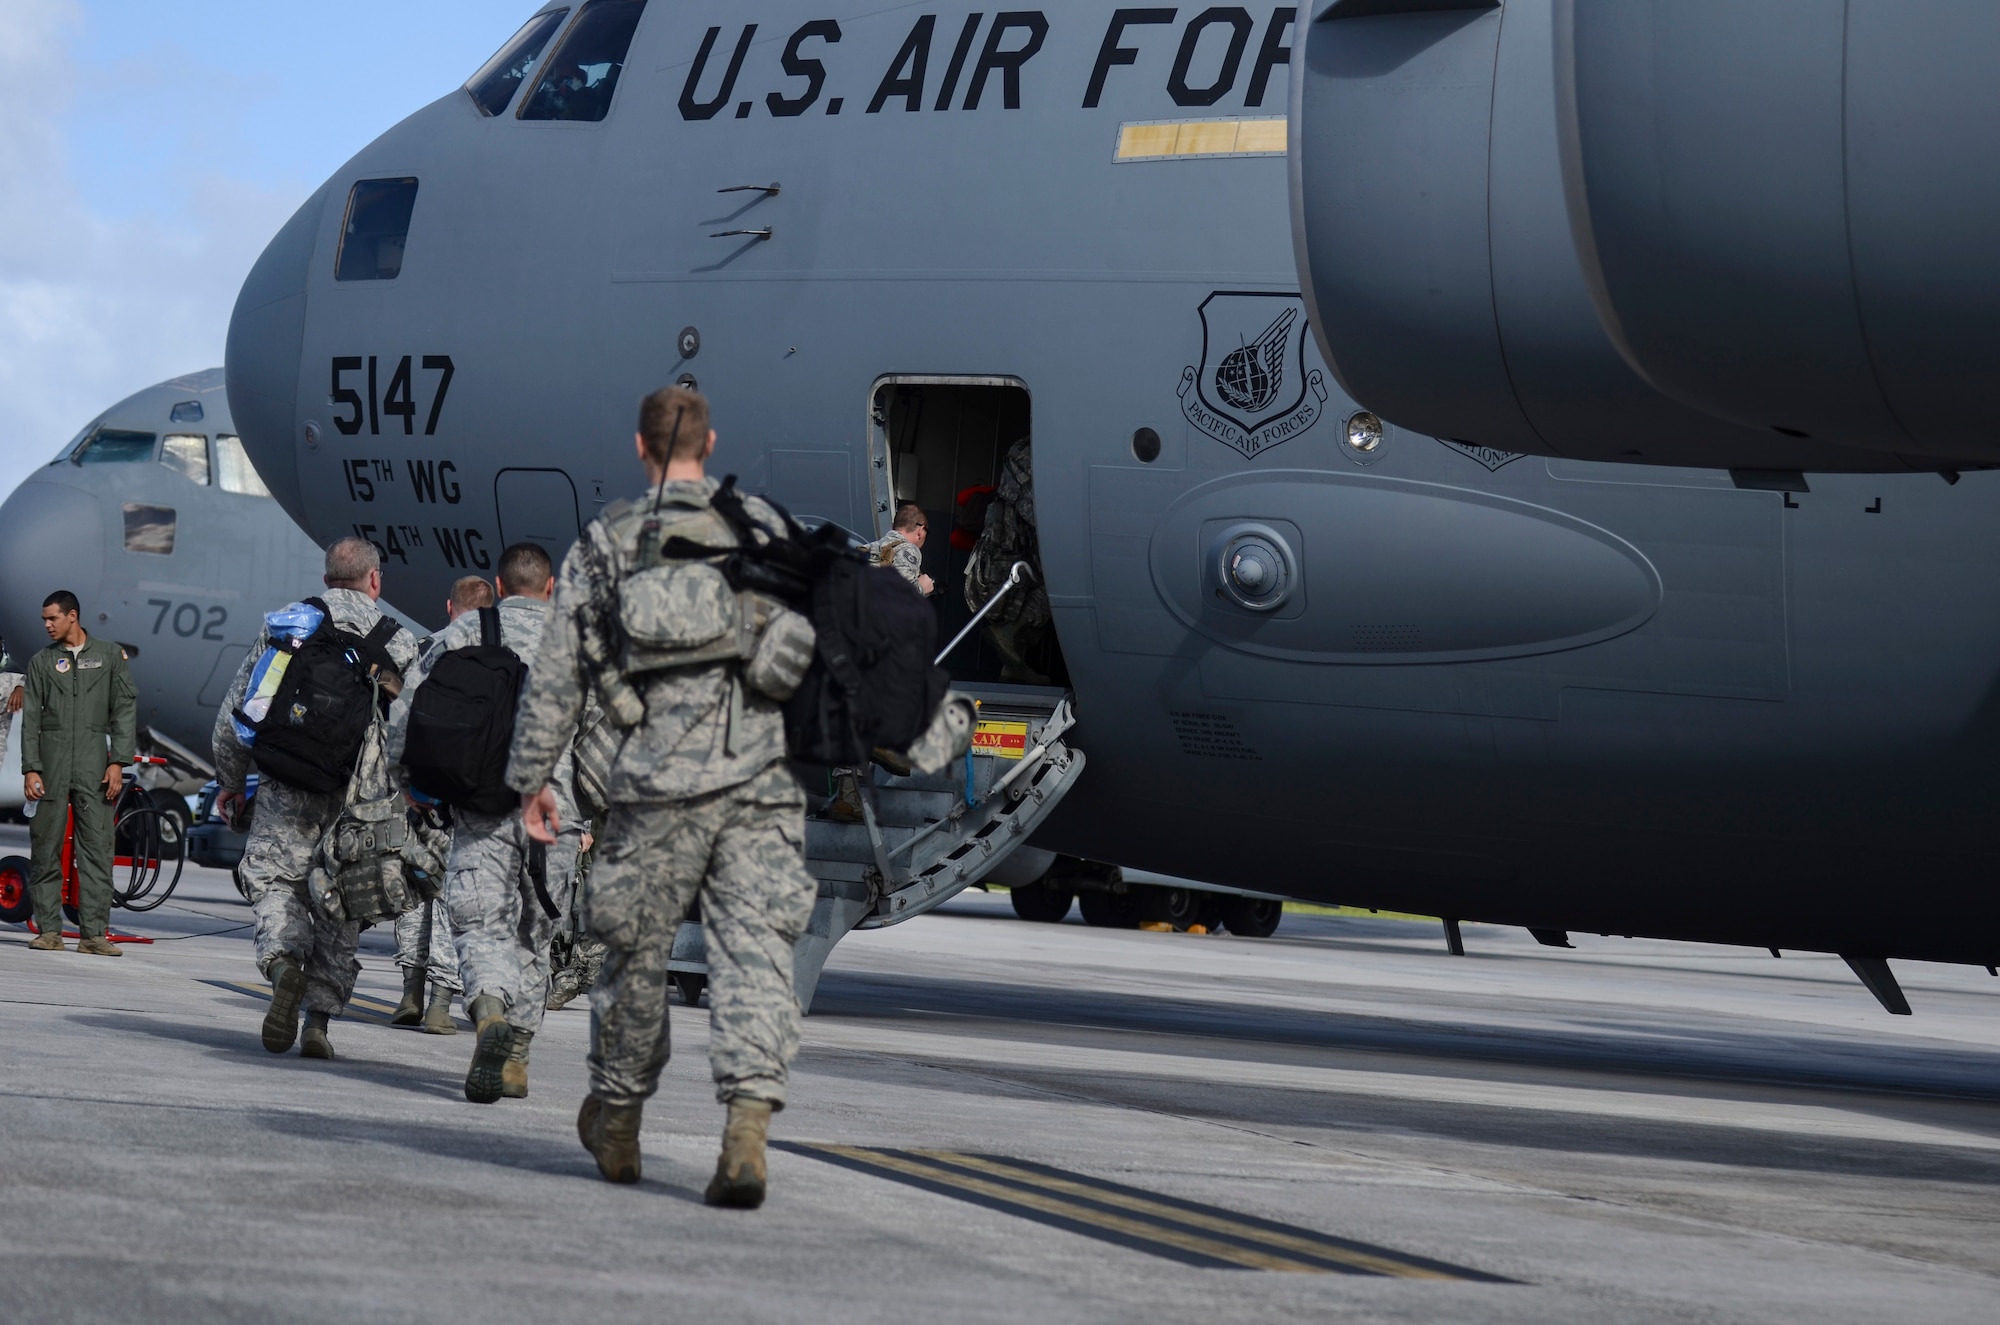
(284, 833)
(423, 938)
(501, 929)
(741, 850)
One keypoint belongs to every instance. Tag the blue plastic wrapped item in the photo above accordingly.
(288, 627)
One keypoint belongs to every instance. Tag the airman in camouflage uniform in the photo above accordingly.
(425, 953)
(424, 949)
(306, 955)
(499, 925)
(703, 805)
(1020, 625)
(902, 548)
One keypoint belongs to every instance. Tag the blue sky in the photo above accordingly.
(150, 148)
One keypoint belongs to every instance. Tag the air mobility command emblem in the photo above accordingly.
(1251, 389)
(62, 664)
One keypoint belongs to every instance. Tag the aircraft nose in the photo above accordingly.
(51, 537)
(261, 364)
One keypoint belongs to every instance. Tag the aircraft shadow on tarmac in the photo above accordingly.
(550, 1150)
(1917, 1084)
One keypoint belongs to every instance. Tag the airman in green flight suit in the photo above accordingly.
(78, 731)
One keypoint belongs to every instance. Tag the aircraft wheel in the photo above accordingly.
(15, 904)
(690, 984)
(1252, 917)
(1045, 902)
(1211, 914)
(1107, 910)
(1178, 907)
(174, 823)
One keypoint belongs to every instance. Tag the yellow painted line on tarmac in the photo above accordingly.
(1280, 1239)
(1184, 1231)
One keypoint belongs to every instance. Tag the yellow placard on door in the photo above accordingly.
(1000, 740)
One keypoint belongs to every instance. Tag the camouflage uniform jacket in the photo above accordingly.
(898, 554)
(703, 730)
(352, 611)
(522, 624)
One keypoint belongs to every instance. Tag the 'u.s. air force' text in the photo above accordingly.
(976, 61)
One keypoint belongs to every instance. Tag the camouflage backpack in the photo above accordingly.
(380, 857)
(684, 600)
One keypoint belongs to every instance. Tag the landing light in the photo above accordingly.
(1364, 432)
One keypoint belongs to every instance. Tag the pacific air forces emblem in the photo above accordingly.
(1251, 389)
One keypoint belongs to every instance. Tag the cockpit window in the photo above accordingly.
(378, 225)
(115, 446)
(188, 411)
(233, 470)
(584, 72)
(492, 88)
(149, 529)
(186, 453)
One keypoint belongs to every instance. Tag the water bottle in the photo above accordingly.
(28, 809)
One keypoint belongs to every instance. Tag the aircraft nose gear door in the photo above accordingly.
(921, 840)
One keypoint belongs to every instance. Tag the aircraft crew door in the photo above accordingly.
(536, 506)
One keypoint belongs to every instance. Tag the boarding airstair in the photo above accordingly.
(924, 838)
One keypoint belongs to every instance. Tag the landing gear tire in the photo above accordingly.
(1044, 902)
(15, 904)
(1108, 910)
(690, 984)
(1178, 907)
(1211, 914)
(1252, 917)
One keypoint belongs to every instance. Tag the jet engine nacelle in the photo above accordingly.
(1467, 281)
(1791, 209)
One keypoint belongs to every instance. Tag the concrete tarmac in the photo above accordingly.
(1626, 1132)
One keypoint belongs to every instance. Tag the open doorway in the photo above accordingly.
(942, 443)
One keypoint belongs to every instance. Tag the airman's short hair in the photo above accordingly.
(674, 422)
(469, 593)
(909, 515)
(525, 567)
(349, 560)
(63, 601)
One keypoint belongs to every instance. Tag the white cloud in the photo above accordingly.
(93, 308)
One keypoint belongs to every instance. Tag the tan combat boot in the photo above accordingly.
(489, 1056)
(48, 940)
(514, 1072)
(437, 1018)
(411, 1010)
(288, 990)
(314, 1043)
(739, 1174)
(96, 945)
(610, 1132)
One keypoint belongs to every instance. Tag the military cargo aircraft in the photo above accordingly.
(153, 515)
(1308, 651)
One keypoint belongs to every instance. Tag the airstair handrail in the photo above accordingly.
(1015, 574)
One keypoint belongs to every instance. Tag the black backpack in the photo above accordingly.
(462, 723)
(872, 682)
(322, 708)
